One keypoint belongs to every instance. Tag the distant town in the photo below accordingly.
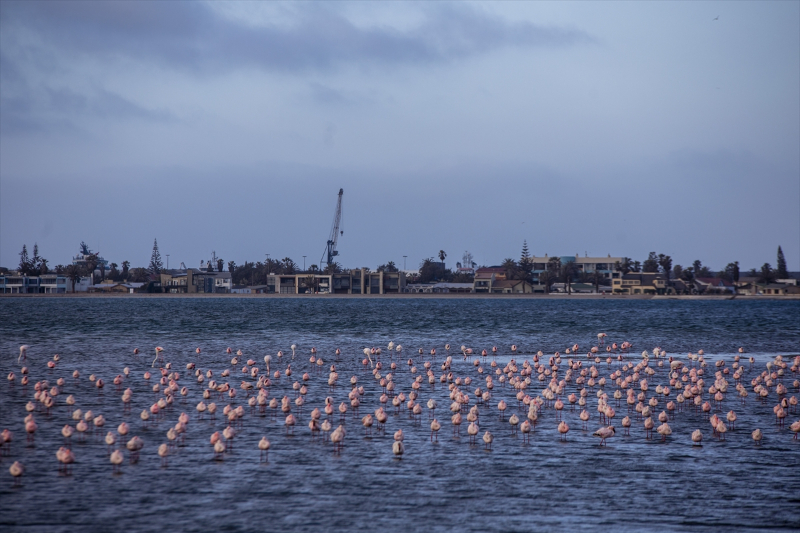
(89, 272)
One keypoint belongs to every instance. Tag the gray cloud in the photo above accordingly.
(187, 35)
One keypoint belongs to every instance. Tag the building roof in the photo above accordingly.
(507, 283)
(716, 282)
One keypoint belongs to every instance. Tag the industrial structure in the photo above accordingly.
(330, 248)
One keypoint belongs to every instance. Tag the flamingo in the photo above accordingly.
(697, 437)
(604, 433)
(116, 460)
(16, 469)
(563, 429)
(23, 355)
(435, 427)
(397, 448)
(487, 440)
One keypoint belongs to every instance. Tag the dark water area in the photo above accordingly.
(632, 484)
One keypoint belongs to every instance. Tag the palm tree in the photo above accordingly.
(567, 273)
(510, 266)
(73, 274)
(289, 266)
(624, 266)
(442, 255)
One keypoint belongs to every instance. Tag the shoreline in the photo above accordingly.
(434, 296)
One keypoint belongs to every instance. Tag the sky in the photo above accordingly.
(580, 127)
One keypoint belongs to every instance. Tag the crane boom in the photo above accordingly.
(330, 248)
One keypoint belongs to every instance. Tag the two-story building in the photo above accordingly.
(44, 284)
(193, 280)
(638, 283)
(356, 281)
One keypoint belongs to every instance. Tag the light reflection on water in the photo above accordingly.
(633, 484)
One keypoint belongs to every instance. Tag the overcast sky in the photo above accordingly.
(599, 128)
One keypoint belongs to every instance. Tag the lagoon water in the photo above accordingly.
(633, 484)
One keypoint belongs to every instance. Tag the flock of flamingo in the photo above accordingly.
(652, 388)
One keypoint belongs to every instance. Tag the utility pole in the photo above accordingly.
(304, 263)
(404, 262)
(167, 261)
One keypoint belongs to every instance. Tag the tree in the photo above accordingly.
(597, 278)
(510, 266)
(551, 273)
(289, 266)
(24, 261)
(767, 275)
(546, 279)
(780, 268)
(35, 261)
(697, 266)
(73, 273)
(220, 265)
(688, 274)
(314, 269)
(312, 283)
(60, 269)
(113, 274)
(525, 264)
(624, 266)
(430, 270)
(43, 268)
(636, 266)
(140, 275)
(731, 272)
(651, 263)
(568, 271)
(155, 260)
(388, 267)
(665, 262)
(677, 272)
(231, 267)
(125, 270)
(333, 268)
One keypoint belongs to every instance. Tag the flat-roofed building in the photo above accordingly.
(639, 283)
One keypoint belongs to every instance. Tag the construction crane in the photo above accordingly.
(330, 248)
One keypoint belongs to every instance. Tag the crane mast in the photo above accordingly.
(333, 240)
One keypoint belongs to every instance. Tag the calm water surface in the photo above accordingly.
(634, 484)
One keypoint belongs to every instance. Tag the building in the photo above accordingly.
(587, 265)
(440, 287)
(356, 281)
(193, 280)
(486, 277)
(116, 288)
(511, 286)
(45, 284)
(714, 285)
(638, 283)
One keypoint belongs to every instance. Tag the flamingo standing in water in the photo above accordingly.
(16, 470)
(23, 354)
(435, 427)
(604, 433)
(263, 445)
(563, 429)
